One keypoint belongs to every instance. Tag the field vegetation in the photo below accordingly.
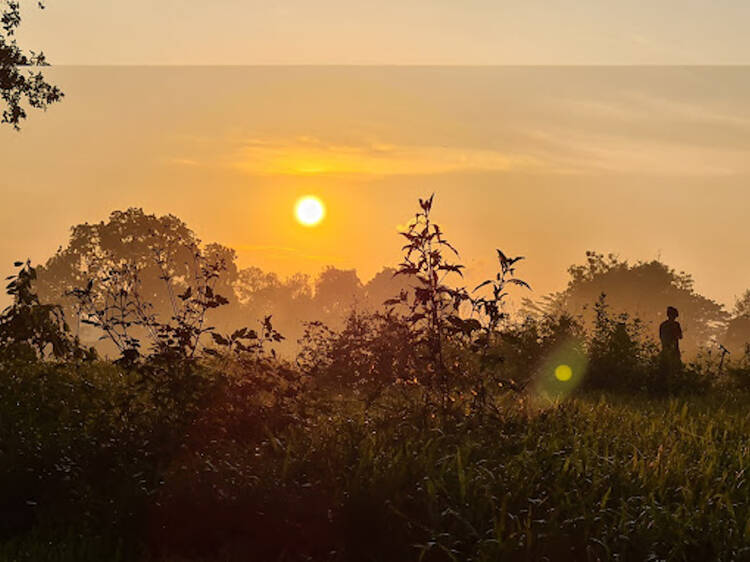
(434, 427)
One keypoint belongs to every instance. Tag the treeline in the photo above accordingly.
(163, 256)
(154, 259)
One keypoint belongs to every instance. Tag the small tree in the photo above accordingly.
(488, 306)
(114, 303)
(28, 328)
(432, 302)
(620, 354)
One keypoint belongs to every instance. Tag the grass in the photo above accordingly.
(597, 477)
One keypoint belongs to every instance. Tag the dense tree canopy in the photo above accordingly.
(163, 256)
(644, 290)
(737, 336)
(19, 87)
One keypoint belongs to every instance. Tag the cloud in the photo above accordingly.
(307, 156)
(184, 162)
(569, 152)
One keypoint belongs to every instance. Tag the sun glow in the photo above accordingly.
(309, 211)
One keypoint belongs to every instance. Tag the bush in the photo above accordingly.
(620, 355)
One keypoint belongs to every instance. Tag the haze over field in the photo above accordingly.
(545, 162)
(243, 331)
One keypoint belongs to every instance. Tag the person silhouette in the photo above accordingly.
(670, 334)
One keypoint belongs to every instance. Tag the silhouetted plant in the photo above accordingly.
(484, 330)
(15, 85)
(621, 357)
(151, 246)
(372, 352)
(247, 340)
(738, 371)
(642, 289)
(114, 303)
(30, 329)
(524, 345)
(432, 303)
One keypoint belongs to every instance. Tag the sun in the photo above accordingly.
(309, 210)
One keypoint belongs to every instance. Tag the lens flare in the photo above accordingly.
(563, 373)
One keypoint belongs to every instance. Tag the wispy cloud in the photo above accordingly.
(306, 156)
(183, 162)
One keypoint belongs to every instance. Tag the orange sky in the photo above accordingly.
(391, 31)
(543, 162)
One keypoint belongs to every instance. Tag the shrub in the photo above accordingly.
(620, 355)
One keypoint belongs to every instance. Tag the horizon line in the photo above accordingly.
(397, 65)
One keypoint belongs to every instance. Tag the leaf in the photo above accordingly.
(483, 284)
(238, 334)
(219, 339)
(519, 282)
(445, 243)
(426, 204)
(472, 324)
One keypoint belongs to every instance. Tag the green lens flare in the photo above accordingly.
(563, 373)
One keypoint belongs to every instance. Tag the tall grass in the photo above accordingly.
(419, 435)
(597, 477)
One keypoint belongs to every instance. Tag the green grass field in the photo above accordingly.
(597, 477)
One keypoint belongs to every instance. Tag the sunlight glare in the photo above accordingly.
(309, 210)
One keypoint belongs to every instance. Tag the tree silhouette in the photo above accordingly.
(160, 252)
(28, 328)
(643, 290)
(737, 335)
(337, 292)
(17, 86)
(382, 287)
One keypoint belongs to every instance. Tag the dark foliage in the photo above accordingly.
(643, 290)
(16, 86)
(436, 428)
(31, 330)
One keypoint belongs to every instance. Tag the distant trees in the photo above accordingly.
(17, 87)
(157, 248)
(643, 290)
(337, 292)
(164, 258)
(139, 276)
(384, 286)
(164, 248)
(737, 336)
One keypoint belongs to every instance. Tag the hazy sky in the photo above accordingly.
(542, 162)
(391, 31)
